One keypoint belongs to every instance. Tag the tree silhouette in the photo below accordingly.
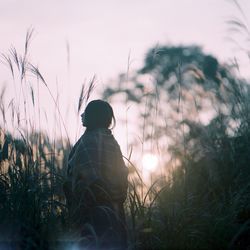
(196, 105)
(179, 86)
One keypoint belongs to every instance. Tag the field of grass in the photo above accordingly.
(204, 203)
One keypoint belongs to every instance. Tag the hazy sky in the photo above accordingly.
(101, 34)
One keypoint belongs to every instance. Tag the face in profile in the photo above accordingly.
(83, 119)
(98, 114)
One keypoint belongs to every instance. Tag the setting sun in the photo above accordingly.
(149, 162)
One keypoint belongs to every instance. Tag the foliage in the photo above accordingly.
(178, 84)
(204, 203)
(31, 196)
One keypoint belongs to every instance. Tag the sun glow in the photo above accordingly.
(149, 162)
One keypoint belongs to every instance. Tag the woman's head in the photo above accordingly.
(98, 114)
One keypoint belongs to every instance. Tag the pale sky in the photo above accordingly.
(101, 34)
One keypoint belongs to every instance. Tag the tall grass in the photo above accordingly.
(33, 213)
(203, 203)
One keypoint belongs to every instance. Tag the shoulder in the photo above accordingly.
(82, 143)
(101, 138)
(88, 138)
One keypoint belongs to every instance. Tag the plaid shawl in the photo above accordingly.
(97, 157)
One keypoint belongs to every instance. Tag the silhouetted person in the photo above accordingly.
(97, 184)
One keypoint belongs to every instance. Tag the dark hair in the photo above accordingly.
(98, 114)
